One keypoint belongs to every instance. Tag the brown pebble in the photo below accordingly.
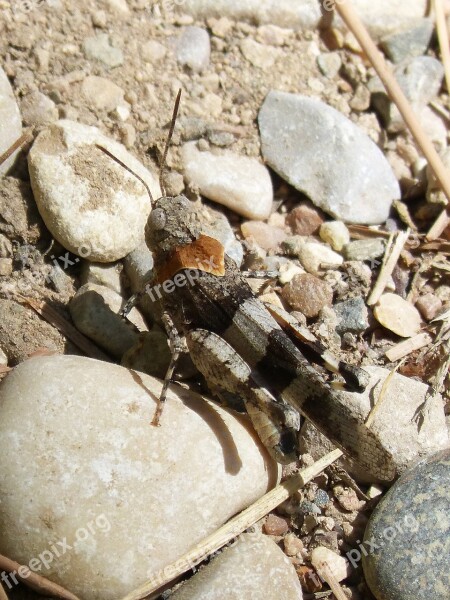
(275, 525)
(309, 580)
(348, 499)
(308, 294)
(304, 220)
(266, 236)
(429, 306)
(293, 545)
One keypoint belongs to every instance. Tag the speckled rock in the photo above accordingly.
(84, 196)
(308, 294)
(370, 249)
(339, 167)
(238, 182)
(353, 315)
(80, 462)
(254, 567)
(407, 540)
(10, 121)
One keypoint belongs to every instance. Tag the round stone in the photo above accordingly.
(92, 205)
(407, 541)
(92, 495)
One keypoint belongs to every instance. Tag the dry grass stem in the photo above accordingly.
(233, 528)
(405, 348)
(354, 23)
(391, 256)
(442, 32)
(39, 584)
(22, 141)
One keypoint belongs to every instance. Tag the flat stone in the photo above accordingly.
(101, 93)
(98, 47)
(409, 43)
(308, 294)
(240, 183)
(84, 196)
(394, 423)
(339, 168)
(253, 567)
(80, 462)
(316, 258)
(410, 529)
(397, 315)
(194, 49)
(10, 121)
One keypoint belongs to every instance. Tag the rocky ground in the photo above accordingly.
(297, 162)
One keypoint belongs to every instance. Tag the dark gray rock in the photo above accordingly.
(353, 315)
(408, 537)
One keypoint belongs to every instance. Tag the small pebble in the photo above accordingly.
(293, 545)
(98, 47)
(335, 233)
(308, 294)
(353, 315)
(321, 498)
(406, 543)
(337, 564)
(347, 498)
(272, 35)
(220, 27)
(101, 93)
(173, 183)
(152, 51)
(10, 121)
(267, 237)
(429, 306)
(239, 183)
(194, 49)
(316, 258)
(6, 267)
(330, 64)
(259, 55)
(398, 315)
(360, 250)
(275, 525)
(38, 109)
(304, 220)
(361, 99)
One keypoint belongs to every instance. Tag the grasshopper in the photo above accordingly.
(252, 354)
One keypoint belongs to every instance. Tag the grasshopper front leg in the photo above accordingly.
(275, 422)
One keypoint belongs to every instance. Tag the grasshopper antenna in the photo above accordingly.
(169, 137)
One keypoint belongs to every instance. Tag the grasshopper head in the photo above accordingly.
(171, 223)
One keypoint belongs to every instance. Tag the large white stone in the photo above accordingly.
(78, 454)
(254, 568)
(10, 120)
(92, 205)
(381, 17)
(238, 182)
(327, 157)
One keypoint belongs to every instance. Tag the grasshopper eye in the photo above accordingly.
(158, 219)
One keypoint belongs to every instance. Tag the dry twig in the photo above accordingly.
(442, 32)
(354, 23)
(233, 528)
(40, 584)
(391, 256)
(405, 348)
